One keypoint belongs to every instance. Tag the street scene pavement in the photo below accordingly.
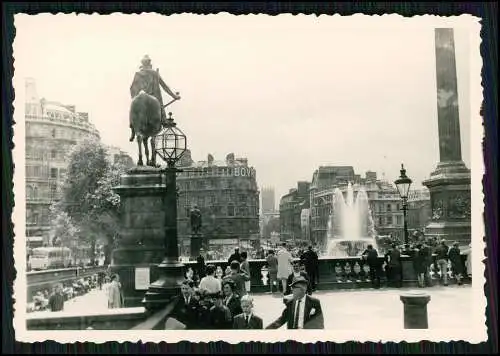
(449, 308)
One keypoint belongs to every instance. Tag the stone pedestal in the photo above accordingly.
(197, 241)
(415, 310)
(449, 184)
(141, 243)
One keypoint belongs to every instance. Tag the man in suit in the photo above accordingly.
(310, 258)
(186, 309)
(302, 311)
(247, 319)
(296, 273)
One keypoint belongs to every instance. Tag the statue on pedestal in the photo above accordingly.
(147, 112)
(195, 220)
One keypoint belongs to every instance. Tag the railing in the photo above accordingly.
(338, 273)
(40, 280)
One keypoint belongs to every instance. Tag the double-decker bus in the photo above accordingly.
(50, 257)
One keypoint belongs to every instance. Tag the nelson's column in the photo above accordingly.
(449, 184)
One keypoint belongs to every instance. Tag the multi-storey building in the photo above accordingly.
(117, 155)
(291, 206)
(226, 192)
(51, 130)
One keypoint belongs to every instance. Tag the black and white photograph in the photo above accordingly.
(269, 178)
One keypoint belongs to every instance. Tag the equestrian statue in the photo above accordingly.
(147, 112)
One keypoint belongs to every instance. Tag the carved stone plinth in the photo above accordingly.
(140, 244)
(449, 188)
(415, 310)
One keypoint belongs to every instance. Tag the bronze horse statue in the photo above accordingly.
(145, 123)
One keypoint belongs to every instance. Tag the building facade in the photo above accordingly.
(116, 155)
(51, 130)
(226, 192)
(291, 206)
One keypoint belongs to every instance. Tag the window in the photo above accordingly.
(62, 173)
(35, 192)
(398, 207)
(53, 173)
(389, 207)
(380, 222)
(29, 192)
(53, 154)
(230, 210)
(53, 192)
(399, 220)
(389, 220)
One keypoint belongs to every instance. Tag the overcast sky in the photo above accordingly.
(290, 93)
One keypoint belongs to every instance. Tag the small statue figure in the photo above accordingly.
(195, 220)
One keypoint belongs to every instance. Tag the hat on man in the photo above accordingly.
(299, 280)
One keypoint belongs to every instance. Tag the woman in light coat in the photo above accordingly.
(115, 297)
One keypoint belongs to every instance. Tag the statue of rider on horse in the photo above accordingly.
(147, 112)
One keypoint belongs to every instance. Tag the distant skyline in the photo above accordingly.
(289, 93)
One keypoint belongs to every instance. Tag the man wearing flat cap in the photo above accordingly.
(302, 311)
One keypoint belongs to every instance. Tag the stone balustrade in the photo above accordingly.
(338, 273)
(111, 319)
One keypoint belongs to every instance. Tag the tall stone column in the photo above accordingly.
(449, 184)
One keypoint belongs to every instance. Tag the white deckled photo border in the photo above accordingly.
(477, 331)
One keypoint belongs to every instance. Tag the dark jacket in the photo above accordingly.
(254, 323)
(239, 280)
(187, 313)
(220, 318)
(457, 264)
(442, 252)
(234, 257)
(311, 321)
(234, 305)
(310, 259)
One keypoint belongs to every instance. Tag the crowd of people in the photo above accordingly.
(215, 299)
(53, 299)
(422, 252)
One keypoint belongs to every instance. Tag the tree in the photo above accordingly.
(87, 195)
(62, 230)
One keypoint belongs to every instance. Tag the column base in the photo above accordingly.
(415, 310)
(162, 291)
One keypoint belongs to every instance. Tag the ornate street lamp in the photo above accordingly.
(170, 145)
(403, 184)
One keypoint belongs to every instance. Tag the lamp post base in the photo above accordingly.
(162, 291)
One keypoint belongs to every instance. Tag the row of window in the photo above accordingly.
(222, 198)
(36, 217)
(67, 133)
(213, 183)
(44, 172)
(223, 210)
(37, 153)
(34, 193)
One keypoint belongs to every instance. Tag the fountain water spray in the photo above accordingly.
(350, 225)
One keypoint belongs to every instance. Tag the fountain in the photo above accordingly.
(350, 225)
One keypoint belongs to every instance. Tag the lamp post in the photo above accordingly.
(170, 145)
(403, 184)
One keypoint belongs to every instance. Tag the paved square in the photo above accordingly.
(449, 308)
